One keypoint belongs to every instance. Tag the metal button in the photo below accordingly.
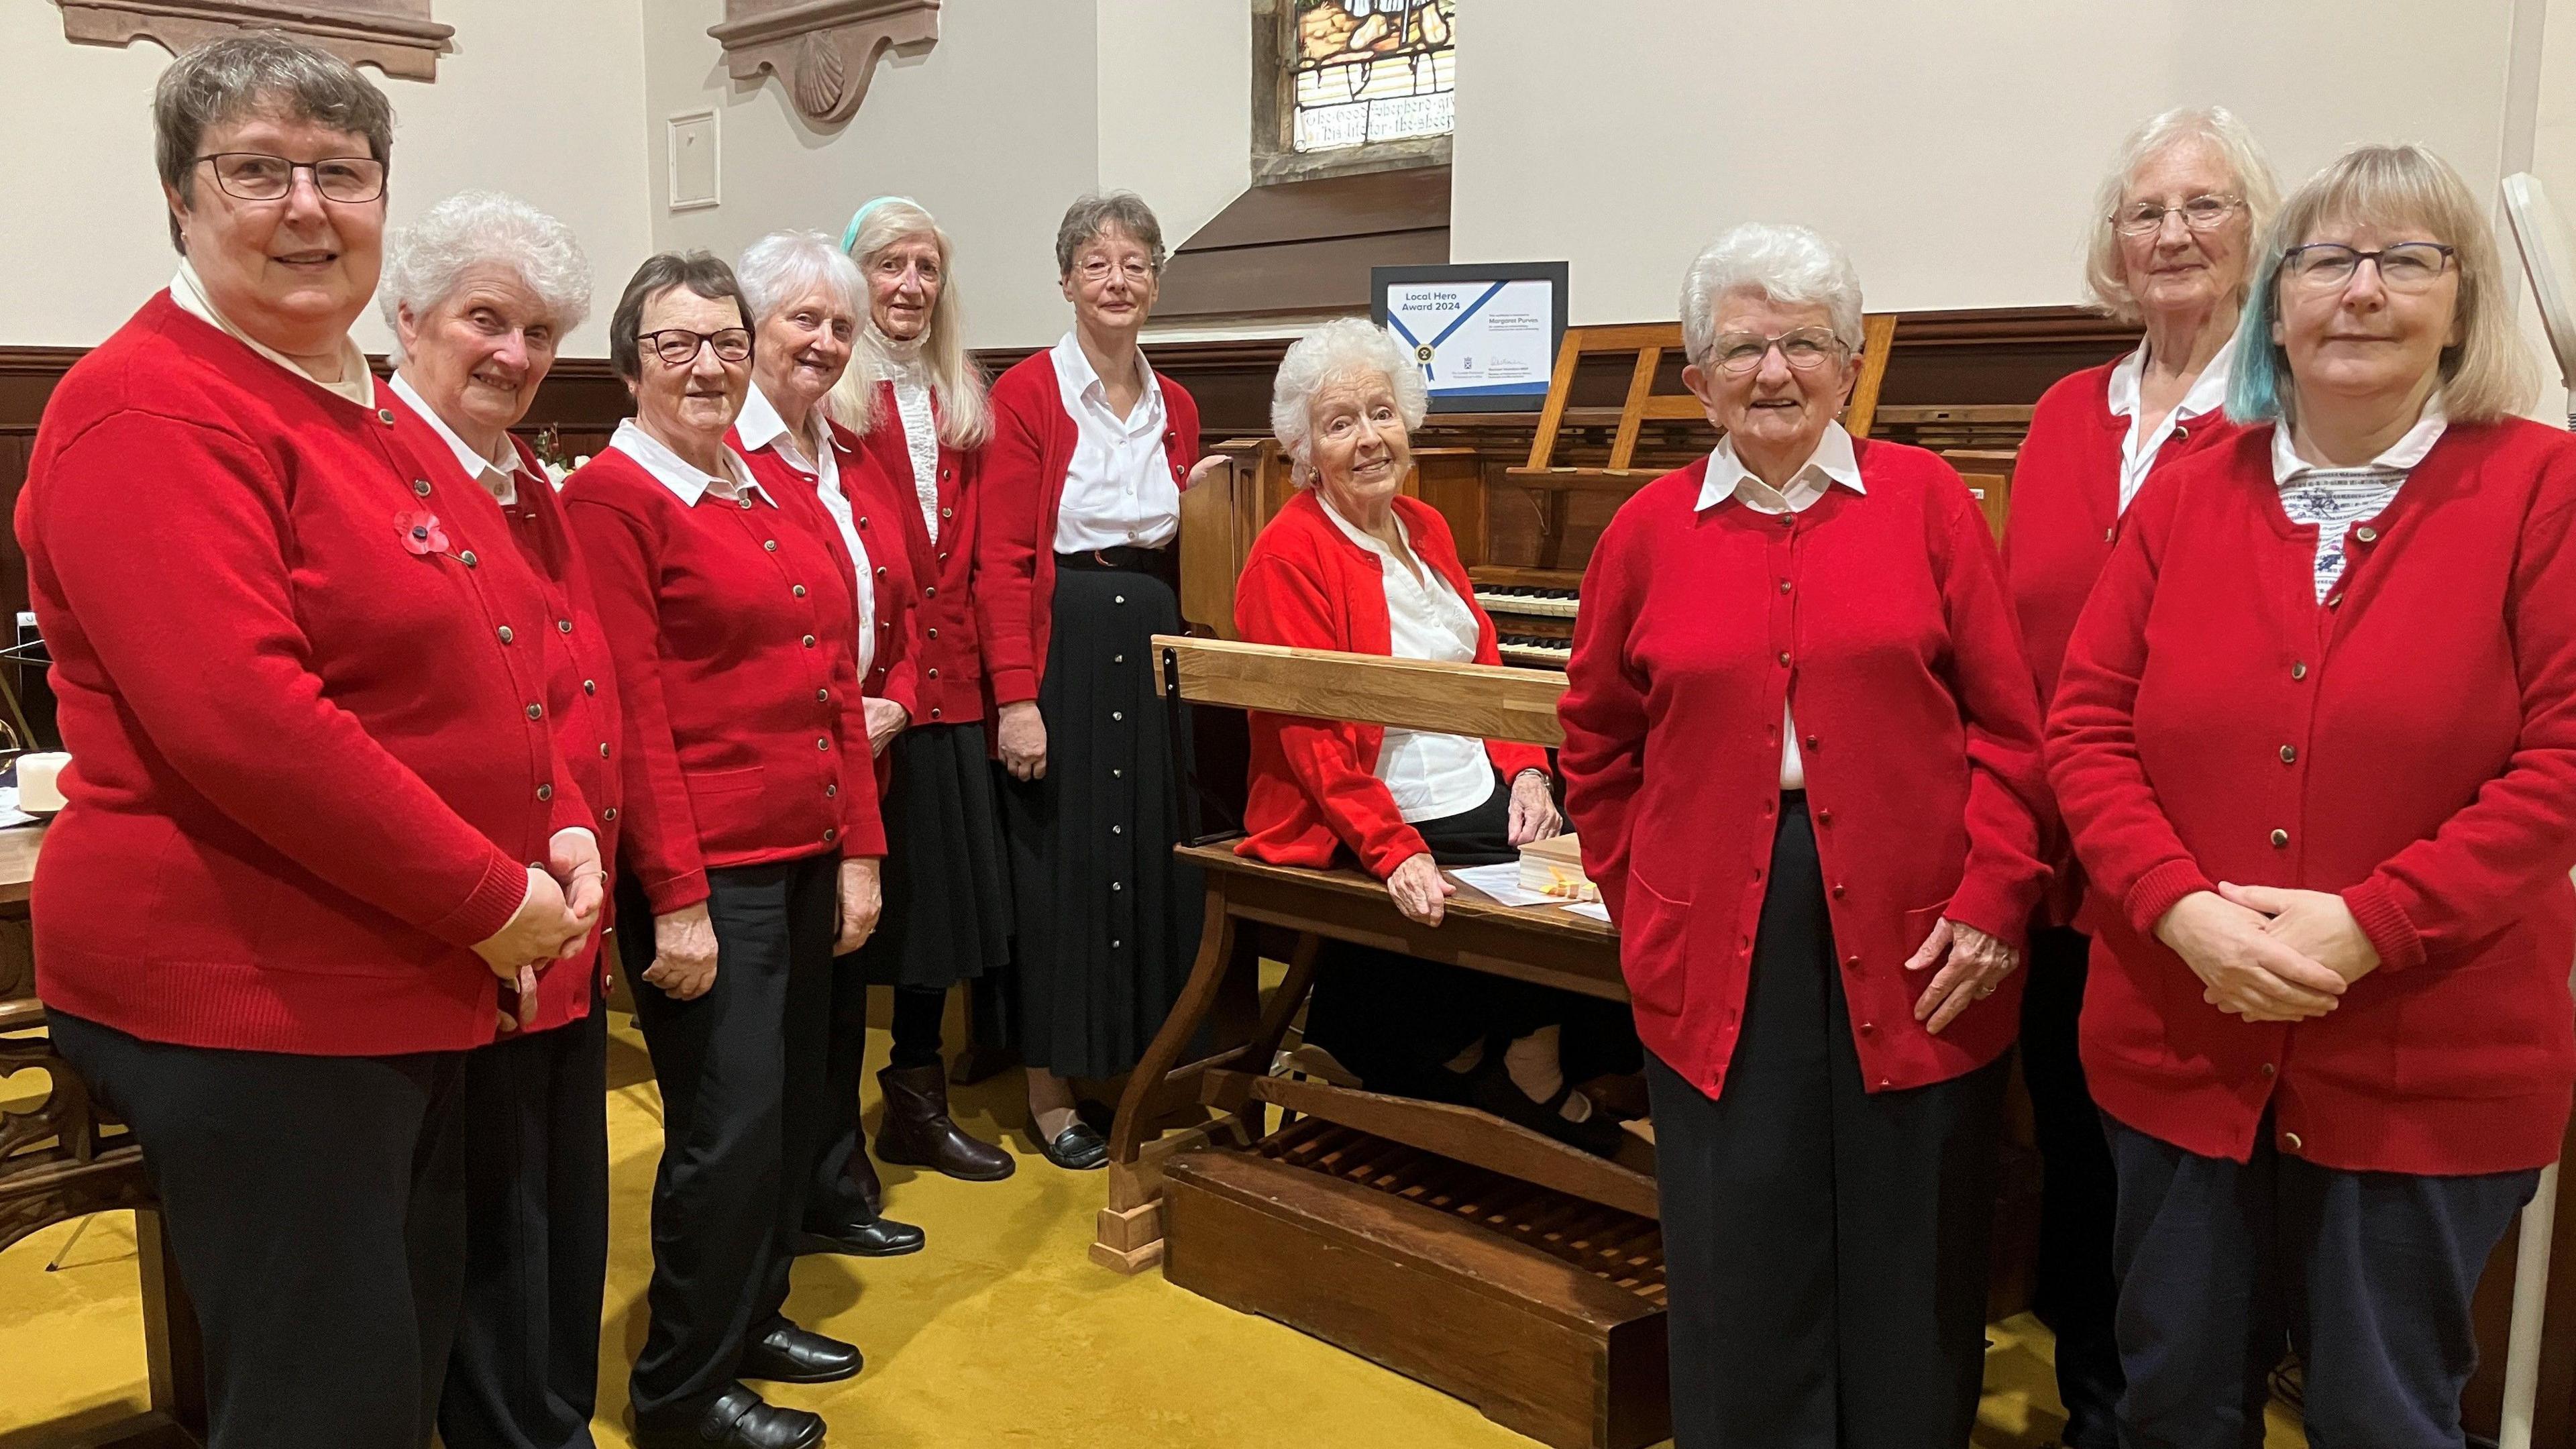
(948, 513)
(797, 589)
(1117, 829)
(934, 674)
(809, 641)
(467, 557)
(863, 520)
(603, 749)
(1784, 658)
(1118, 885)
(2280, 840)
(385, 416)
(2110, 533)
(830, 834)
(536, 711)
(770, 544)
(590, 686)
(1788, 520)
(1117, 715)
(2366, 535)
(2270, 1070)
(608, 814)
(2299, 670)
(1118, 598)
(1116, 774)
(2182, 435)
(506, 635)
(934, 633)
(1784, 586)
(420, 486)
(831, 790)
(545, 792)
(563, 626)
(1115, 944)
(824, 743)
(2290, 1142)
(746, 503)
(934, 711)
(2289, 754)
(1117, 658)
(1813, 743)
(929, 593)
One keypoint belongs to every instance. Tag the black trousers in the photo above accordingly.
(525, 1372)
(1824, 1246)
(832, 1198)
(2079, 1194)
(2367, 1274)
(741, 1070)
(317, 1209)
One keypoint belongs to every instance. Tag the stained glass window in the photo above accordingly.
(1372, 70)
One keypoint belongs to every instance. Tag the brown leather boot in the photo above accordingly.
(918, 1132)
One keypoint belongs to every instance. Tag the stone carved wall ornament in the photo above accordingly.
(825, 50)
(395, 36)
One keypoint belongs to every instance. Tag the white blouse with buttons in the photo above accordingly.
(1118, 490)
(1431, 776)
(760, 427)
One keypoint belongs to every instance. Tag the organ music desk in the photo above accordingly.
(1490, 1261)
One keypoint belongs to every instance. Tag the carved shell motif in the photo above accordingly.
(822, 75)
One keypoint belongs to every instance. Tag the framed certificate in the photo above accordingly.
(1485, 336)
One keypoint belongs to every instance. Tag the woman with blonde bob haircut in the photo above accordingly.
(2315, 739)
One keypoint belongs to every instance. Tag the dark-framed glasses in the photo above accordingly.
(258, 176)
(2405, 267)
(1803, 348)
(2199, 213)
(678, 346)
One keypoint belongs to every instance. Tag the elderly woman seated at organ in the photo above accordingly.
(1352, 564)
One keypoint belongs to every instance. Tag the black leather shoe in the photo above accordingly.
(875, 1238)
(738, 1419)
(791, 1355)
(1077, 1148)
(1496, 1093)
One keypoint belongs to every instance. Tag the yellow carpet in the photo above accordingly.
(1000, 1333)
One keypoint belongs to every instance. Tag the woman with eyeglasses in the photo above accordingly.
(2177, 216)
(2316, 742)
(319, 835)
(1077, 569)
(751, 847)
(1802, 752)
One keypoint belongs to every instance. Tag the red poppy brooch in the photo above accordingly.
(421, 533)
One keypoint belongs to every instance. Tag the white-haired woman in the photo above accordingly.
(1802, 751)
(479, 294)
(803, 297)
(2316, 742)
(1076, 571)
(1352, 564)
(916, 401)
(2172, 239)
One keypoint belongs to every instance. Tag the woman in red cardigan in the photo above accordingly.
(1351, 564)
(2175, 224)
(1802, 751)
(751, 843)
(478, 293)
(2316, 742)
(319, 815)
(1076, 567)
(916, 401)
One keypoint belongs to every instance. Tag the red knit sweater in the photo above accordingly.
(731, 627)
(893, 671)
(2065, 514)
(2412, 746)
(307, 773)
(1023, 485)
(1881, 618)
(1314, 784)
(581, 687)
(951, 674)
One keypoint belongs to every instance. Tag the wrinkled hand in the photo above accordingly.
(1022, 740)
(2316, 924)
(2245, 970)
(1420, 889)
(886, 719)
(1978, 963)
(861, 899)
(542, 929)
(1534, 815)
(1200, 470)
(572, 858)
(684, 953)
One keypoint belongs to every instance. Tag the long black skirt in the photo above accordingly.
(1108, 920)
(947, 911)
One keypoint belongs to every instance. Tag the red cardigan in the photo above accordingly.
(1023, 486)
(893, 667)
(2412, 746)
(1314, 784)
(581, 687)
(951, 676)
(2065, 514)
(1881, 618)
(308, 774)
(731, 628)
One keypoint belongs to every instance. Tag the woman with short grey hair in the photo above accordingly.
(479, 293)
(1802, 754)
(2172, 238)
(1352, 564)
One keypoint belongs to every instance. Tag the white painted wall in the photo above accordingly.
(1176, 106)
(545, 100)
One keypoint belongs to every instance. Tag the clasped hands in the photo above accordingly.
(1421, 892)
(2267, 954)
(560, 910)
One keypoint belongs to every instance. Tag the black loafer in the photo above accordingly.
(738, 1419)
(791, 1355)
(875, 1238)
(1077, 1148)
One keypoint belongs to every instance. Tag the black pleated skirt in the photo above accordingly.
(947, 877)
(1108, 920)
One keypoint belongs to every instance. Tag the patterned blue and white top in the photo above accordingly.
(2335, 499)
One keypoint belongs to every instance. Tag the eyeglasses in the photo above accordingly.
(1097, 270)
(1804, 348)
(2405, 267)
(256, 176)
(678, 346)
(2200, 213)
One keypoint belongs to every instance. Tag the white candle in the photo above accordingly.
(39, 782)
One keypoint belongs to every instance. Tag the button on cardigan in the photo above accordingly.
(1880, 616)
